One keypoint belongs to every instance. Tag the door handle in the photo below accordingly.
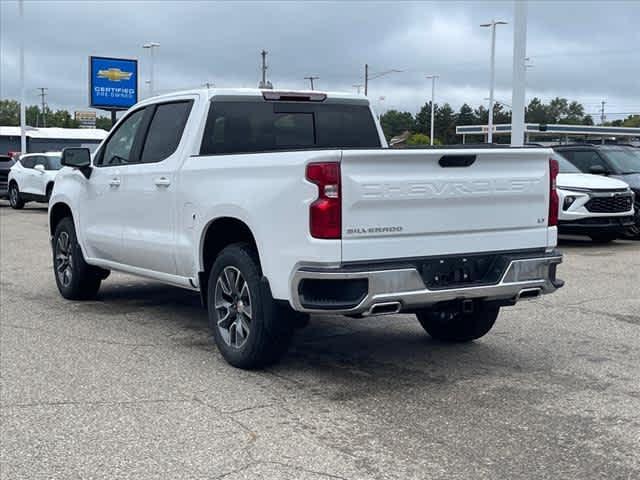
(162, 181)
(114, 182)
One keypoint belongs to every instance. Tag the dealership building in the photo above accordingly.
(50, 139)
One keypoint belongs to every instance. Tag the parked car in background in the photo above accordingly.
(615, 161)
(6, 162)
(275, 205)
(592, 205)
(32, 177)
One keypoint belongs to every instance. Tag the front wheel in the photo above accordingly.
(451, 324)
(15, 200)
(247, 326)
(75, 278)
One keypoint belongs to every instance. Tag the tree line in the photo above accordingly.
(558, 110)
(10, 117)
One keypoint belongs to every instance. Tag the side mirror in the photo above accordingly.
(598, 170)
(40, 168)
(77, 157)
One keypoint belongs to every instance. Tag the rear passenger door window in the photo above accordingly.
(165, 131)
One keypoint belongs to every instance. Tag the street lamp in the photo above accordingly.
(151, 46)
(492, 80)
(368, 77)
(433, 105)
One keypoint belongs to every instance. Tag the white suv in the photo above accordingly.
(593, 205)
(31, 178)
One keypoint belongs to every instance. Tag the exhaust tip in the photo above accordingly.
(529, 293)
(384, 308)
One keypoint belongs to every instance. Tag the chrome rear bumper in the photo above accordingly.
(390, 290)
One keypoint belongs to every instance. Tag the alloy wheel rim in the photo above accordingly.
(13, 195)
(233, 307)
(64, 259)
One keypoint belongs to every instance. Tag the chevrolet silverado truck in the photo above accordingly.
(275, 205)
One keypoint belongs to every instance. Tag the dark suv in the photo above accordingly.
(617, 161)
(6, 162)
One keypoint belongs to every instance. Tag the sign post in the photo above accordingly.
(113, 84)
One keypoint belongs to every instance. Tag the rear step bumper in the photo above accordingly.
(376, 290)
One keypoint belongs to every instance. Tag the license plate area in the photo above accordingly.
(463, 271)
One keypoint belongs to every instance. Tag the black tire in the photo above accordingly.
(452, 325)
(78, 280)
(15, 199)
(48, 192)
(248, 327)
(603, 237)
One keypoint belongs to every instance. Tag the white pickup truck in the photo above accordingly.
(276, 205)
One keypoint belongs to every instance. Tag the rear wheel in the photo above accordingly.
(15, 200)
(451, 324)
(248, 327)
(76, 280)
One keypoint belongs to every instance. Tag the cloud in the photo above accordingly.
(574, 52)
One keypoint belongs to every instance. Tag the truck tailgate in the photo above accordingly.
(414, 203)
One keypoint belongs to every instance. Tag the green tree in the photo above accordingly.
(104, 123)
(500, 115)
(394, 123)
(9, 113)
(419, 139)
(445, 124)
(536, 112)
(632, 121)
(423, 119)
(481, 115)
(465, 115)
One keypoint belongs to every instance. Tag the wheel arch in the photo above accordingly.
(57, 212)
(216, 235)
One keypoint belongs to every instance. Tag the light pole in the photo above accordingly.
(358, 86)
(492, 80)
(433, 104)
(151, 46)
(520, 66)
(368, 77)
(23, 114)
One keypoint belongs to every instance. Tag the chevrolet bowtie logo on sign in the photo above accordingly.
(113, 83)
(114, 74)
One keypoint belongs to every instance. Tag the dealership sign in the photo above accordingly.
(113, 83)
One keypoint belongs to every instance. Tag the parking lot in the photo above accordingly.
(130, 386)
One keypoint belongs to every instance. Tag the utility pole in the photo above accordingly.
(366, 79)
(42, 95)
(433, 104)
(264, 83)
(520, 60)
(208, 84)
(603, 117)
(23, 108)
(311, 79)
(358, 86)
(492, 75)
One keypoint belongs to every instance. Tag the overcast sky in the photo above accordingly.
(587, 51)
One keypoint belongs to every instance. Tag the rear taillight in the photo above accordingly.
(325, 213)
(554, 201)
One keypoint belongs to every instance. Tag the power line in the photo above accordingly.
(311, 79)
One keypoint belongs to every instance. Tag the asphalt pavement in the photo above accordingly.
(129, 385)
